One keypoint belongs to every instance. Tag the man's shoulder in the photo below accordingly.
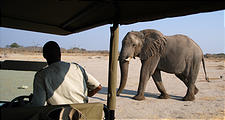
(41, 71)
(76, 64)
(78, 67)
(49, 67)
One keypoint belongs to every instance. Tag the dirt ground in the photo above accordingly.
(209, 103)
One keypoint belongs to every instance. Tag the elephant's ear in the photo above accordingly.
(154, 44)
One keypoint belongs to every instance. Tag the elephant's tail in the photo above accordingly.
(203, 63)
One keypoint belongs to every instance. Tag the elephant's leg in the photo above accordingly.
(190, 96)
(192, 77)
(184, 79)
(158, 81)
(147, 69)
(144, 77)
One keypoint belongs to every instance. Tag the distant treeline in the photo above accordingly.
(219, 55)
(15, 48)
(35, 49)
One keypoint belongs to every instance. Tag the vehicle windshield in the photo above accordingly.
(15, 83)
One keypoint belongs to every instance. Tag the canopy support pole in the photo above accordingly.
(113, 63)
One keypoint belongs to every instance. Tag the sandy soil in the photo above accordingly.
(209, 103)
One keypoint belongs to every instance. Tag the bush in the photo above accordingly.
(14, 45)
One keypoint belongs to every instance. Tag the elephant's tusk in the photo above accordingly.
(128, 59)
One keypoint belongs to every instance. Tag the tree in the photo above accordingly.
(14, 45)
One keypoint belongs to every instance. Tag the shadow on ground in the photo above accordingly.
(126, 94)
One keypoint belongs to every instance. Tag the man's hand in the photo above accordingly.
(93, 92)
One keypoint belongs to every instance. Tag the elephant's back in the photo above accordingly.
(183, 43)
(180, 50)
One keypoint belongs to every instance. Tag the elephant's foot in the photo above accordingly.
(139, 97)
(164, 96)
(189, 98)
(196, 91)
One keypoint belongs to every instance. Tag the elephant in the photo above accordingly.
(177, 54)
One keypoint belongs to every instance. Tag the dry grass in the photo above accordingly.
(39, 50)
(6, 51)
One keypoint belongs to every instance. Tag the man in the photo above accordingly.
(61, 82)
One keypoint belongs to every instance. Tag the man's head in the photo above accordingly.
(51, 52)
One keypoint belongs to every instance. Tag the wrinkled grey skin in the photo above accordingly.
(176, 54)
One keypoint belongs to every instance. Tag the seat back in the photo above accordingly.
(53, 112)
(22, 65)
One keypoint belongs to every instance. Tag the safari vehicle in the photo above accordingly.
(63, 17)
(19, 108)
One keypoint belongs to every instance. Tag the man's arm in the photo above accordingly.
(39, 94)
(93, 92)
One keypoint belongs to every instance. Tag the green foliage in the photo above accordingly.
(14, 45)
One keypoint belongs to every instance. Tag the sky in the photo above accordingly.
(206, 29)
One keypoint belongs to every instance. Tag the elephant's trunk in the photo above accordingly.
(124, 73)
